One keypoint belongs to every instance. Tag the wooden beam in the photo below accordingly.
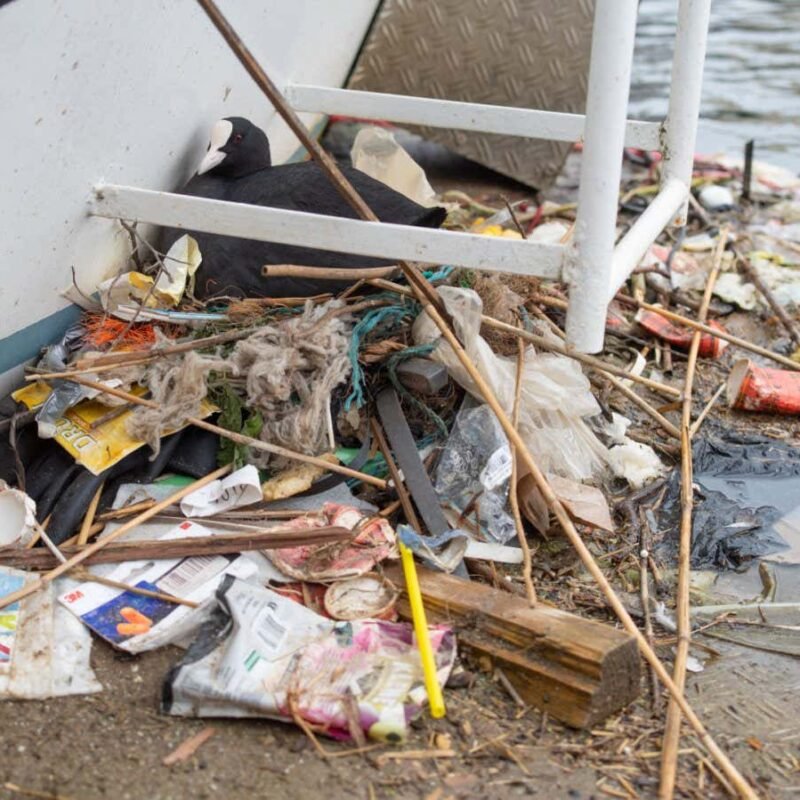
(576, 669)
(39, 558)
(338, 234)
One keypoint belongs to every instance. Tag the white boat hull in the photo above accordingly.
(126, 93)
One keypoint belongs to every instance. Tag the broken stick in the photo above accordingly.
(432, 304)
(672, 728)
(778, 310)
(81, 556)
(327, 273)
(513, 494)
(718, 332)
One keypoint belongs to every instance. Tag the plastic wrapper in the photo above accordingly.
(180, 264)
(81, 431)
(64, 394)
(474, 471)
(44, 650)
(556, 395)
(136, 622)
(241, 488)
(263, 655)
(376, 153)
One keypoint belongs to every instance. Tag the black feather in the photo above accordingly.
(232, 266)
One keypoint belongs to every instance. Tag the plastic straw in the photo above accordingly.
(421, 631)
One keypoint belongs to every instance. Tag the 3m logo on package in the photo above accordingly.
(95, 435)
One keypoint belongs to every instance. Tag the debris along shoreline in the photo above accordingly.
(436, 412)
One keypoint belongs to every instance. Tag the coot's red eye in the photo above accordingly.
(237, 137)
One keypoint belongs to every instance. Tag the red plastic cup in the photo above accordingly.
(754, 388)
(710, 346)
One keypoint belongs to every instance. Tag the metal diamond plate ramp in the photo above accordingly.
(524, 53)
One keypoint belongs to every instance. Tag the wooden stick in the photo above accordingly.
(644, 590)
(327, 273)
(672, 728)
(137, 357)
(431, 303)
(88, 520)
(399, 486)
(91, 549)
(114, 513)
(777, 309)
(188, 747)
(173, 349)
(79, 573)
(240, 438)
(259, 539)
(555, 347)
(706, 410)
(125, 511)
(720, 334)
(671, 429)
(275, 449)
(52, 376)
(513, 496)
(571, 532)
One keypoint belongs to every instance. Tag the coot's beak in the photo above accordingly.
(220, 134)
(211, 159)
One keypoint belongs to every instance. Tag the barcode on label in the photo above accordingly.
(191, 573)
(270, 631)
(498, 469)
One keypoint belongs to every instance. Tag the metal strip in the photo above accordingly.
(384, 240)
(405, 453)
(454, 115)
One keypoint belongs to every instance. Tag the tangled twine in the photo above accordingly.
(289, 369)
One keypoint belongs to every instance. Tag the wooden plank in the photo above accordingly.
(452, 114)
(576, 669)
(384, 240)
(40, 558)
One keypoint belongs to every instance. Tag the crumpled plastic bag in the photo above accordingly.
(263, 655)
(556, 395)
(376, 153)
(474, 470)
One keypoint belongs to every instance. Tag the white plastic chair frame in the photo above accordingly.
(593, 264)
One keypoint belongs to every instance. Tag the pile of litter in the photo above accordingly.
(317, 500)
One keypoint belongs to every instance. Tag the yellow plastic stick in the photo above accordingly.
(421, 631)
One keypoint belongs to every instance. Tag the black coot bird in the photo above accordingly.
(238, 168)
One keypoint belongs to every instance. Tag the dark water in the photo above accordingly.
(751, 88)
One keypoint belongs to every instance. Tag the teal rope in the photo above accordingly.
(525, 317)
(438, 274)
(365, 326)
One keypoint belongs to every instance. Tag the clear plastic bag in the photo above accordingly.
(556, 395)
(474, 471)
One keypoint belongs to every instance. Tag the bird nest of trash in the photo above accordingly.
(342, 485)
